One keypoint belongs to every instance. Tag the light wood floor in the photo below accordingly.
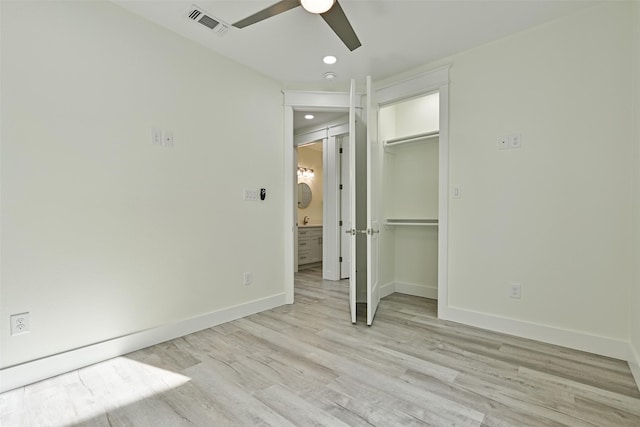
(307, 365)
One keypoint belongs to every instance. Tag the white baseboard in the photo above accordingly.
(387, 289)
(618, 349)
(424, 291)
(409, 289)
(47, 367)
(634, 363)
(604, 346)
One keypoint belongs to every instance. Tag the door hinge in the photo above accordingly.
(340, 150)
(340, 259)
(340, 186)
(340, 223)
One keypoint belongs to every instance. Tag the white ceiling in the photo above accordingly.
(319, 118)
(396, 35)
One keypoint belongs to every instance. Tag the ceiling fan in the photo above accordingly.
(329, 10)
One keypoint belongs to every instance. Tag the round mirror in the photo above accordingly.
(304, 195)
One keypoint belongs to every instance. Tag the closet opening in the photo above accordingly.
(409, 130)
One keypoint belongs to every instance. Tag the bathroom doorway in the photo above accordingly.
(320, 190)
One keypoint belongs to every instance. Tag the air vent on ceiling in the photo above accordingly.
(197, 14)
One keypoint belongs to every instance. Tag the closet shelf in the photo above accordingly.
(412, 138)
(411, 221)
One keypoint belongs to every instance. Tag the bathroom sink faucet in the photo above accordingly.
(305, 220)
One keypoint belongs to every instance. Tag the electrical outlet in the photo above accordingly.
(515, 290)
(20, 323)
(247, 278)
(167, 137)
(503, 143)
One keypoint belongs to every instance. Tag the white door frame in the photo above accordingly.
(435, 80)
(331, 202)
(319, 101)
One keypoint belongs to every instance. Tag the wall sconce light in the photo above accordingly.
(305, 173)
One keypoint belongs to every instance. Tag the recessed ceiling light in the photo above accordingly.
(330, 59)
(308, 116)
(329, 75)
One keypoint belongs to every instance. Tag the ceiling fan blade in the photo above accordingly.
(340, 25)
(273, 10)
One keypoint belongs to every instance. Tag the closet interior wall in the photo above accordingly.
(409, 240)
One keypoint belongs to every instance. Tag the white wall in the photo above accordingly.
(104, 234)
(555, 215)
(311, 158)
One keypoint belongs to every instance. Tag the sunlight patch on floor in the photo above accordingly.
(82, 395)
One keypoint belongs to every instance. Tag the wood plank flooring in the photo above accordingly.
(307, 365)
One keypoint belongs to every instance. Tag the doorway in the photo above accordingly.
(321, 217)
(368, 195)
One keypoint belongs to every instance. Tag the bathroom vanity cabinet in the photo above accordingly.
(309, 244)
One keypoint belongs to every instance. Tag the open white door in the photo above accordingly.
(352, 199)
(373, 197)
(294, 170)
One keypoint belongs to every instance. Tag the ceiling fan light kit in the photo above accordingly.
(329, 10)
(317, 6)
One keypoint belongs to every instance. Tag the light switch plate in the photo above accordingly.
(250, 195)
(156, 137)
(515, 140)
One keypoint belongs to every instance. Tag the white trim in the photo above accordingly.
(319, 101)
(596, 344)
(414, 289)
(290, 208)
(311, 136)
(413, 86)
(428, 82)
(443, 202)
(47, 367)
(387, 289)
(339, 129)
(424, 291)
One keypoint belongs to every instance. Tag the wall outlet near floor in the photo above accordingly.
(247, 279)
(20, 323)
(515, 290)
